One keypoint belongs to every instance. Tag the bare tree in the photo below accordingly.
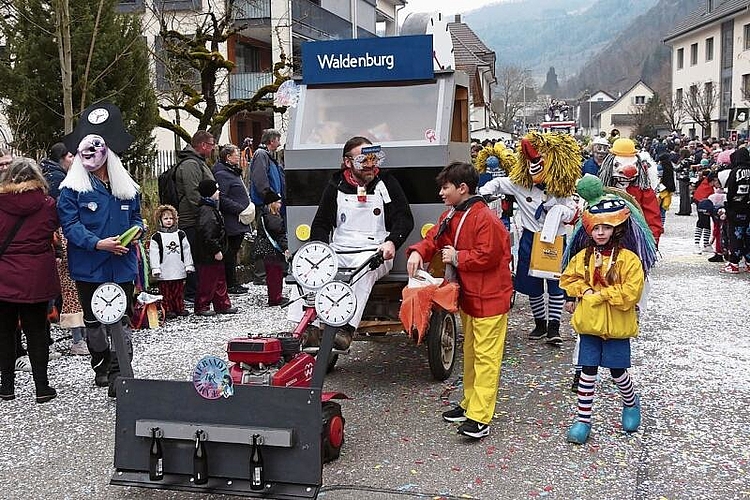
(700, 104)
(196, 70)
(674, 110)
(62, 24)
(514, 90)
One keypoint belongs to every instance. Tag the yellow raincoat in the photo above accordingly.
(610, 312)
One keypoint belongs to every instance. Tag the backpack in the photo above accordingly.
(167, 182)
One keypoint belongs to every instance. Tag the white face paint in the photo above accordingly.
(93, 152)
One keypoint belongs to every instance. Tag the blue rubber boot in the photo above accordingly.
(631, 416)
(579, 433)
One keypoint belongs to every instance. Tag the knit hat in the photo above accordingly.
(207, 188)
(270, 197)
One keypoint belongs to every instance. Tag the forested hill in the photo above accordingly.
(566, 34)
(637, 53)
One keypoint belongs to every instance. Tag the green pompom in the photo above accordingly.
(589, 187)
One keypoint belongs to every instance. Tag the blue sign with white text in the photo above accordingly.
(379, 59)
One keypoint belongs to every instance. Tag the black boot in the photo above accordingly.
(7, 388)
(553, 333)
(100, 363)
(540, 330)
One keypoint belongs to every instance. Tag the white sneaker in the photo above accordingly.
(23, 364)
(53, 354)
(79, 349)
(708, 249)
(698, 250)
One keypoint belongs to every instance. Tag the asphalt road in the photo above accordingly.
(691, 368)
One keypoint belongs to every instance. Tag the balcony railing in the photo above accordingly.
(252, 9)
(245, 85)
(310, 20)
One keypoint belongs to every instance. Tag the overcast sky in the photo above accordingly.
(443, 6)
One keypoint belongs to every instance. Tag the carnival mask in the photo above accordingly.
(371, 156)
(600, 150)
(625, 169)
(536, 162)
(93, 152)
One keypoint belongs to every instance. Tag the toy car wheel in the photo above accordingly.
(333, 431)
(441, 344)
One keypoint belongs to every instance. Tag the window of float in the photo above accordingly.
(394, 114)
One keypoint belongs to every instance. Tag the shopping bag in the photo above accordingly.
(546, 258)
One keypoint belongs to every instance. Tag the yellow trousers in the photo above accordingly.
(665, 199)
(484, 341)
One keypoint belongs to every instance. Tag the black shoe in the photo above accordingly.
(457, 414)
(259, 281)
(717, 257)
(101, 380)
(170, 315)
(282, 303)
(553, 333)
(7, 392)
(236, 290)
(539, 331)
(207, 312)
(183, 313)
(112, 391)
(574, 385)
(44, 394)
(231, 310)
(474, 429)
(343, 338)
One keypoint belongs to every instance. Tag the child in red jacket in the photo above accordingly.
(474, 241)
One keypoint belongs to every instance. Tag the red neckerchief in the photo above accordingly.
(598, 278)
(349, 176)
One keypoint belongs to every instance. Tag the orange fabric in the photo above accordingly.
(417, 305)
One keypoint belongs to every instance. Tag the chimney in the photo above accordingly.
(458, 18)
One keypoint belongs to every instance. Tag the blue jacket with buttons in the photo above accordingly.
(86, 218)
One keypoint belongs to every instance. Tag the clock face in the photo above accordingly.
(98, 115)
(314, 265)
(109, 303)
(335, 303)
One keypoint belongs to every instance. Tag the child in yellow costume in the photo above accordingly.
(609, 254)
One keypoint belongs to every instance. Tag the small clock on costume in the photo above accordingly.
(314, 265)
(98, 115)
(335, 303)
(109, 303)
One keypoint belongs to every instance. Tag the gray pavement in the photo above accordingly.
(691, 367)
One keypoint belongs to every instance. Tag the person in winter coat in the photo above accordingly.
(209, 249)
(666, 185)
(266, 176)
(171, 260)
(738, 211)
(29, 281)
(191, 171)
(55, 167)
(98, 202)
(234, 200)
(271, 245)
(471, 238)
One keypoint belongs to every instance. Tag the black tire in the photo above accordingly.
(442, 340)
(332, 437)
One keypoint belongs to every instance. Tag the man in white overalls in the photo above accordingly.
(362, 210)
